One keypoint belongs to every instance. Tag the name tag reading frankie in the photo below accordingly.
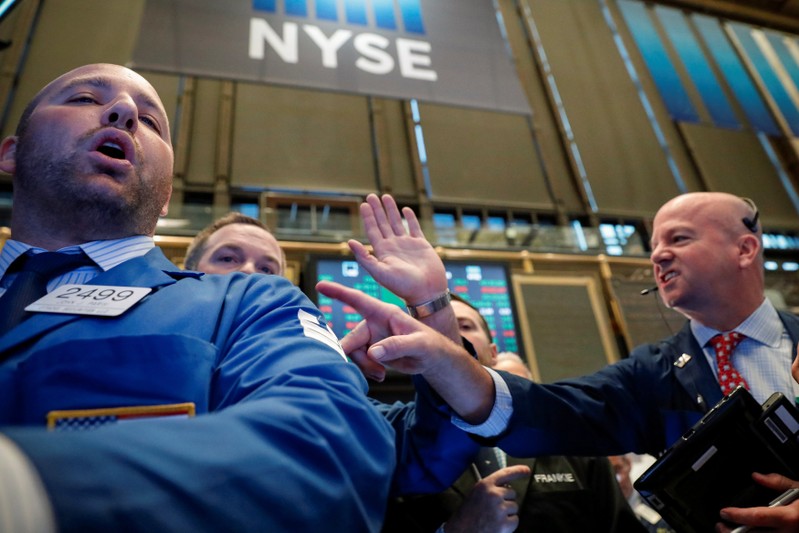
(96, 300)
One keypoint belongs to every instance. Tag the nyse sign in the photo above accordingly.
(447, 51)
(412, 56)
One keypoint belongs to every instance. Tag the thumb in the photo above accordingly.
(510, 473)
(392, 348)
(406, 353)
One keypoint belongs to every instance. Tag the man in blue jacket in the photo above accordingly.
(431, 452)
(282, 437)
(707, 258)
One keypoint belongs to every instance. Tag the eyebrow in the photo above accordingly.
(238, 249)
(101, 82)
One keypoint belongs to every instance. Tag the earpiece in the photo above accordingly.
(751, 223)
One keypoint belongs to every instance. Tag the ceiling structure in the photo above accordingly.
(778, 14)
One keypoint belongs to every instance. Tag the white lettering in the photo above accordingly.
(372, 47)
(566, 477)
(286, 48)
(328, 45)
(410, 55)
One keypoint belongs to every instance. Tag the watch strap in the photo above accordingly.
(429, 307)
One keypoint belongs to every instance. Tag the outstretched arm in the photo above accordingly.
(391, 337)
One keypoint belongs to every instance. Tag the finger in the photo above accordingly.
(357, 339)
(505, 475)
(511, 523)
(511, 507)
(795, 366)
(355, 345)
(361, 302)
(414, 228)
(368, 262)
(393, 348)
(407, 353)
(761, 517)
(774, 481)
(357, 249)
(722, 528)
(380, 215)
(368, 366)
(393, 214)
(362, 255)
(370, 223)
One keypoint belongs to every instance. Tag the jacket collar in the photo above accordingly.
(152, 270)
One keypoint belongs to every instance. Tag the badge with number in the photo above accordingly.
(97, 300)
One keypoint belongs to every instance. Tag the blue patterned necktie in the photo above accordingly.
(35, 271)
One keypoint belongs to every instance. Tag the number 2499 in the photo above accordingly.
(97, 294)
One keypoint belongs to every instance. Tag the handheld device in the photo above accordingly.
(783, 499)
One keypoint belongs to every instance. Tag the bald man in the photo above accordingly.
(707, 258)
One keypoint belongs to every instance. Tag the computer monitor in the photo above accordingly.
(484, 284)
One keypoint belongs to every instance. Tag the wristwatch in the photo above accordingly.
(428, 308)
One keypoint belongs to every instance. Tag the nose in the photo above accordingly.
(122, 113)
(248, 267)
(659, 253)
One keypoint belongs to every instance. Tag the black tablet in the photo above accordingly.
(710, 467)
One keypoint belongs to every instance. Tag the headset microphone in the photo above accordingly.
(647, 291)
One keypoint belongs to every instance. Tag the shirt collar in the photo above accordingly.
(763, 326)
(106, 254)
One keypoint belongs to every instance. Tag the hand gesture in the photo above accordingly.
(491, 506)
(403, 261)
(388, 336)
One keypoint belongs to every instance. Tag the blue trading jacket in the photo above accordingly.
(284, 438)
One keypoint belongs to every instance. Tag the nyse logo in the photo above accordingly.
(376, 54)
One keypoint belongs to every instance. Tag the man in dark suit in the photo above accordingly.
(707, 257)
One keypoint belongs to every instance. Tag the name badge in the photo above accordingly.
(95, 300)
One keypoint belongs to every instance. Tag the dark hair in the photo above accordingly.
(483, 323)
(197, 247)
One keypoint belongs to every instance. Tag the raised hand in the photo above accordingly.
(403, 261)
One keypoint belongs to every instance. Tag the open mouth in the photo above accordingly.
(111, 149)
(668, 276)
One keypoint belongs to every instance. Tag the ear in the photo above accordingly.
(748, 250)
(165, 209)
(8, 155)
(494, 353)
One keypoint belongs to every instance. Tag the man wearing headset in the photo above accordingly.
(707, 258)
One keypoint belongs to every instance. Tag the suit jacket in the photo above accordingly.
(563, 495)
(285, 438)
(641, 404)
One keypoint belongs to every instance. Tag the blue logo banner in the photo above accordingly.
(445, 51)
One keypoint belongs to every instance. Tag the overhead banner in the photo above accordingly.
(444, 51)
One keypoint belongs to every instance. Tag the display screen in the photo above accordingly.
(484, 284)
